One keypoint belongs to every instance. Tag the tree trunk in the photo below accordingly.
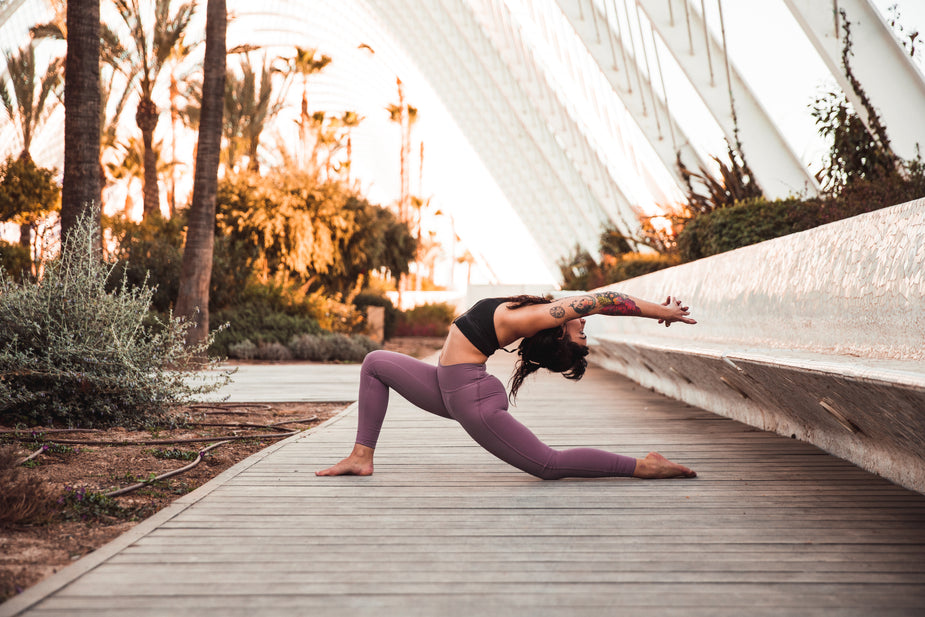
(25, 235)
(196, 273)
(81, 190)
(174, 120)
(253, 165)
(146, 117)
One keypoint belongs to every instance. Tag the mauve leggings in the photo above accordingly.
(477, 400)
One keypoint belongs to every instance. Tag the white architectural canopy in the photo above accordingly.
(545, 121)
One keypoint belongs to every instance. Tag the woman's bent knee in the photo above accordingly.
(372, 360)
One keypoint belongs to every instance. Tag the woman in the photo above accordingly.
(459, 387)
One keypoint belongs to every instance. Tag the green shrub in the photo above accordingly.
(75, 352)
(259, 320)
(149, 254)
(274, 351)
(426, 320)
(631, 265)
(363, 300)
(15, 260)
(245, 350)
(583, 273)
(757, 220)
(747, 223)
(334, 347)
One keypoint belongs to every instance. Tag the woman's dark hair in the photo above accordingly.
(550, 349)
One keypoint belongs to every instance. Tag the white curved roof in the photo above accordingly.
(542, 122)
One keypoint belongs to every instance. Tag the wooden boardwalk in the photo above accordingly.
(771, 527)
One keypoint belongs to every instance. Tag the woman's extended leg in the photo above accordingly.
(481, 408)
(414, 380)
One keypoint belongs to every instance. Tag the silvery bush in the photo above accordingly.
(80, 351)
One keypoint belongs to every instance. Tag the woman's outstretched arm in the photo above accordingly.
(529, 320)
(616, 303)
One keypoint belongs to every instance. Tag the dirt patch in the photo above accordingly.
(78, 520)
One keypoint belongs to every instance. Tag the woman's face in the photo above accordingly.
(575, 330)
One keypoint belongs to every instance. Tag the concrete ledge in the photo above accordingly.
(867, 413)
(819, 335)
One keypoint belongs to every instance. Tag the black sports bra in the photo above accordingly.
(478, 325)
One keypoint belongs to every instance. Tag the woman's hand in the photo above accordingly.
(675, 312)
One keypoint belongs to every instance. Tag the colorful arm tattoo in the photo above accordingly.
(614, 303)
(606, 303)
(583, 304)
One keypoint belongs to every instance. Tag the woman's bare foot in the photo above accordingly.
(359, 463)
(654, 465)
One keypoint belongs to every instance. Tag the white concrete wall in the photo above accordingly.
(853, 287)
(819, 335)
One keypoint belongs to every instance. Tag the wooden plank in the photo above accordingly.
(444, 528)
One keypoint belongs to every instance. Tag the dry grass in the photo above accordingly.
(22, 499)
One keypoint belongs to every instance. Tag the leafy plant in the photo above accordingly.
(332, 347)
(174, 454)
(288, 229)
(16, 260)
(79, 504)
(426, 320)
(736, 182)
(367, 299)
(74, 351)
(582, 272)
(149, 254)
(263, 316)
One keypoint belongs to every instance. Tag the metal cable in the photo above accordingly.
(616, 16)
(597, 30)
(661, 76)
(613, 51)
(642, 96)
(706, 41)
(690, 36)
(645, 58)
(722, 28)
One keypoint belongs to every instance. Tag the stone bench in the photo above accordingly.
(819, 335)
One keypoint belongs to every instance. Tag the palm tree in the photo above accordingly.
(110, 119)
(304, 64)
(113, 56)
(81, 187)
(250, 103)
(404, 115)
(128, 165)
(332, 134)
(152, 52)
(196, 271)
(350, 121)
(27, 104)
(57, 27)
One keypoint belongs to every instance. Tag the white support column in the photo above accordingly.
(8, 8)
(777, 168)
(606, 202)
(472, 82)
(893, 83)
(587, 26)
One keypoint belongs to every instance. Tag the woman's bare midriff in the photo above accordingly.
(458, 350)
